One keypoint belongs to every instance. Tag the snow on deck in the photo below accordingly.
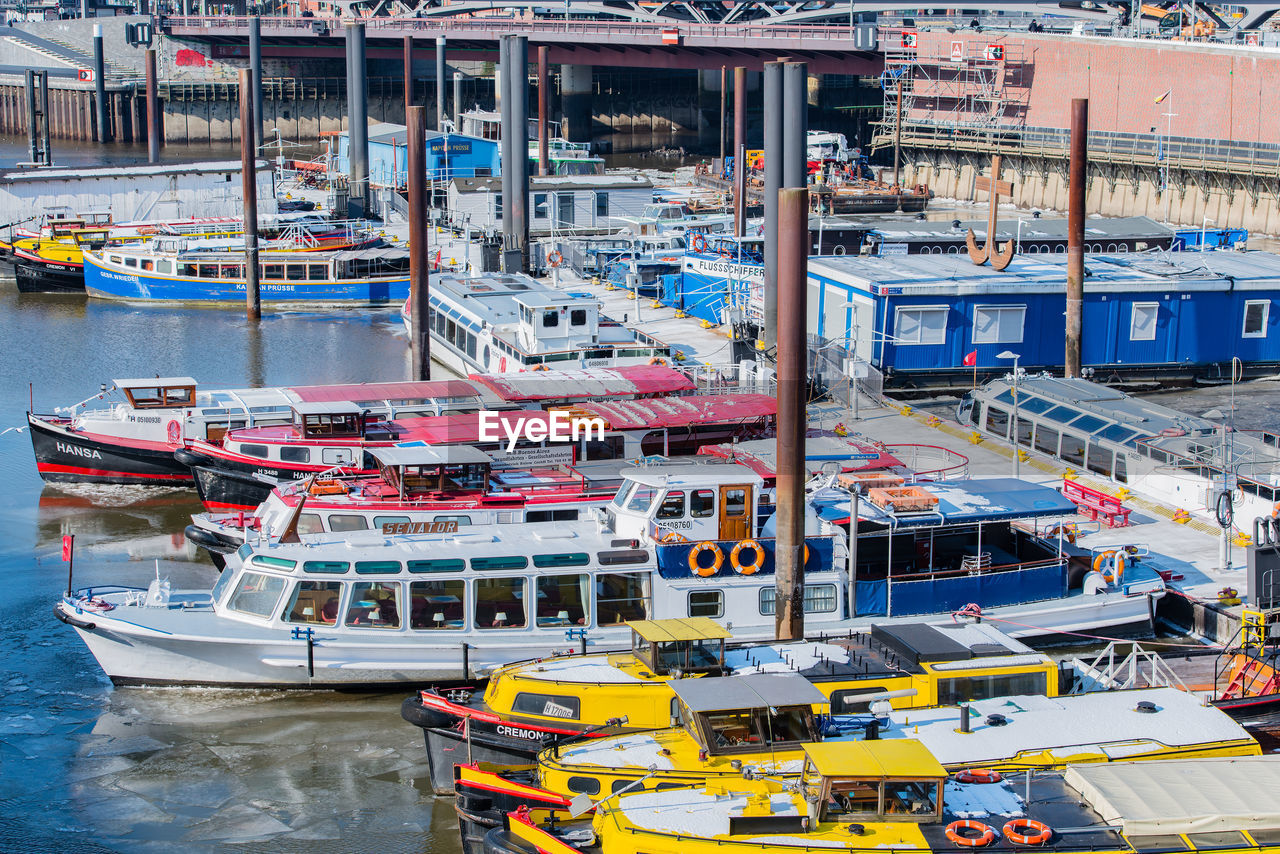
(577, 670)
(639, 751)
(981, 800)
(1101, 721)
(783, 657)
(693, 812)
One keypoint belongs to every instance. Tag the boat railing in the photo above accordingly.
(728, 378)
(980, 564)
(942, 463)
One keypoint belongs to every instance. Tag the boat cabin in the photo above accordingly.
(680, 646)
(694, 504)
(747, 714)
(555, 321)
(159, 392)
(328, 420)
(890, 781)
(422, 470)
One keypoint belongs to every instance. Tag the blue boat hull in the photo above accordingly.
(143, 286)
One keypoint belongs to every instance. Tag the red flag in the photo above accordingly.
(971, 359)
(68, 542)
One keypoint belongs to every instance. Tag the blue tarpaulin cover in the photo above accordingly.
(960, 502)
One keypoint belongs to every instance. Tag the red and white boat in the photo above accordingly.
(239, 472)
(128, 432)
(418, 487)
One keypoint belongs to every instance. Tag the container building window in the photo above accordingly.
(539, 205)
(924, 325)
(1256, 313)
(998, 324)
(1142, 323)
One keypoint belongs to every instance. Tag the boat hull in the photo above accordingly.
(65, 456)
(48, 278)
(226, 489)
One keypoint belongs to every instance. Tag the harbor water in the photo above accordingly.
(91, 768)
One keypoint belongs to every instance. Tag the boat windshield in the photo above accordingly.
(641, 499)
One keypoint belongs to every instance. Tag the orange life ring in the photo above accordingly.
(979, 775)
(1101, 559)
(735, 559)
(716, 563)
(539, 367)
(725, 253)
(656, 360)
(502, 365)
(699, 243)
(673, 537)
(554, 258)
(985, 834)
(1037, 832)
(1116, 575)
(1066, 531)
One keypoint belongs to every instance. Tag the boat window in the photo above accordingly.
(1072, 450)
(224, 580)
(148, 264)
(1118, 433)
(114, 259)
(1047, 440)
(641, 498)
(550, 318)
(1062, 414)
(1142, 321)
(267, 562)
(500, 603)
(1088, 423)
(130, 262)
(208, 271)
(460, 521)
(672, 506)
(295, 272)
(964, 689)
(998, 324)
(503, 562)
(706, 603)
(621, 597)
(554, 516)
(334, 566)
(256, 594)
(342, 522)
(374, 604)
(578, 317)
(621, 556)
(1099, 460)
(379, 521)
(317, 272)
(230, 271)
(378, 567)
(1255, 318)
(1022, 432)
(295, 454)
(602, 204)
(1120, 473)
(735, 501)
(702, 503)
(853, 798)
(925, 325)
(1006, 396)
(998, 422)
(273, 271)
(564, 706)
(314, 602)
(437, 604)
(1163, 842)
(818, 599)
(910, 797)
(259, 451)
(1034, 405)
(335, 456)
(449, 564)
(566, 559)
(309, 523)
(563, 600)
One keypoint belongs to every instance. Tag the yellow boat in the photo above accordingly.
(53, 261)
(872, 796)
(531, 705)
(763, 724)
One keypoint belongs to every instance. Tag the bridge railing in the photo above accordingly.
(502, 26)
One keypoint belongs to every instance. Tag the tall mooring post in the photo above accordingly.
(153, 111)
(773, 155)
(515, 100)
(1079, 170)
(795, 124)
(501, 76)
(739, 150)
(793, 274)
(457, 101)
(255, 65)
(407, 59)
(249, 190)
(440, 74)
(724, 102)
(357, 121)
(419, 267)
(100, 86)
(544, 154)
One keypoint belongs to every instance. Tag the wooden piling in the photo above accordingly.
(249, 189)
(419, 270)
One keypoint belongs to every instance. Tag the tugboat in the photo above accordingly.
(877, 795)
(532, 705)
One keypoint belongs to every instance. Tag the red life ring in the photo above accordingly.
(717, 559)
(502, 365)
(1037, 832)
(554, 258)
(978, 775)
(985, 835)
(699, 243)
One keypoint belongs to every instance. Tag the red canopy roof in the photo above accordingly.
(589, 382)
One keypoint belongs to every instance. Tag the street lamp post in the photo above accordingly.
(1013, 426)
